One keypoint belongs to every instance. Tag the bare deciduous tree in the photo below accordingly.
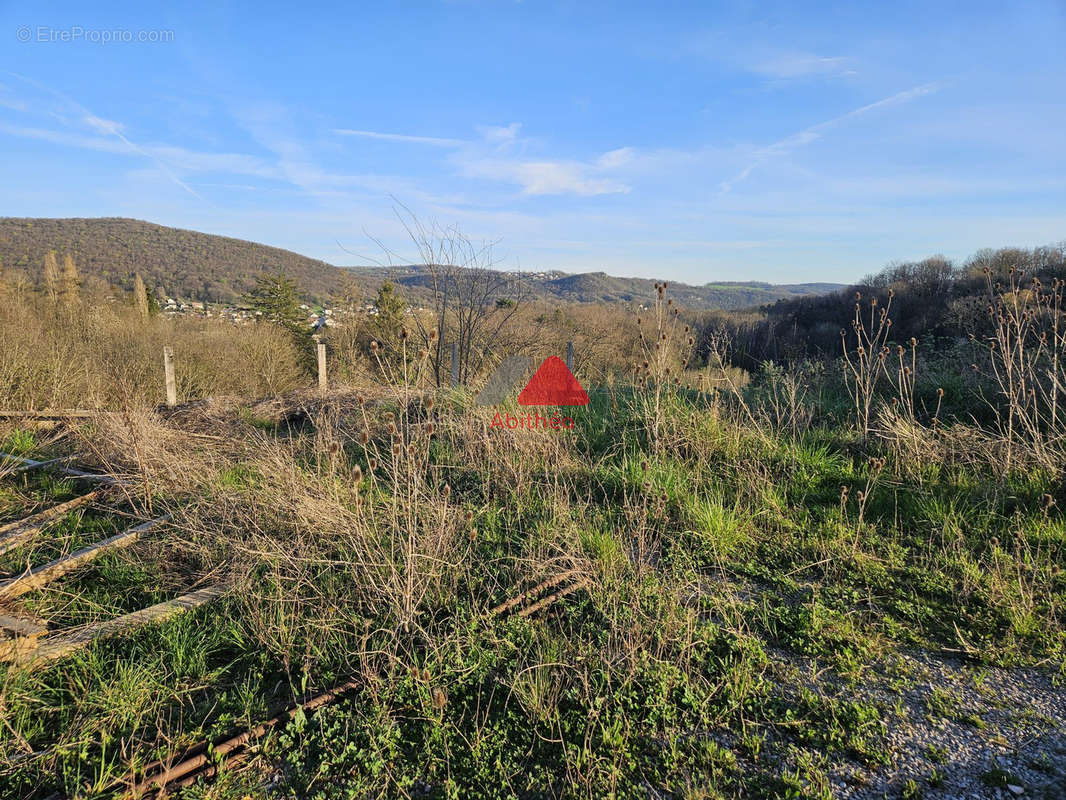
(51, 276)
(473, 299)
(70, 281)
(140, 296)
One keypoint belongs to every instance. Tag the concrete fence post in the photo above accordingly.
(322, 382)
(168, 375)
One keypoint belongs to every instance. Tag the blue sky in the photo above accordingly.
(689, 141)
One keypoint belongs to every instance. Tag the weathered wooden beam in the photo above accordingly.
(18, 648)
(40, 576)
(14, 534)
(62, 413)
(21, 626)
(54, 467)
(49, 464)
(49, 648)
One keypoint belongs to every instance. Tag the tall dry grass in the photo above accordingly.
(92, 356)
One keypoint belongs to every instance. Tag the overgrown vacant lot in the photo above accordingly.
(759, 608)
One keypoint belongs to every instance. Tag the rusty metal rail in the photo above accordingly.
(205, 759)
(201, 760)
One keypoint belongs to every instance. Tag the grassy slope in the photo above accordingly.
(722, 561)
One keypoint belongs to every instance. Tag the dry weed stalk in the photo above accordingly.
(664, 357)
(1025, 364)
(865, 364)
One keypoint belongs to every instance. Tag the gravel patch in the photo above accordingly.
(955, 731)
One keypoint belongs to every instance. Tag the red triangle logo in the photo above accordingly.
(553, 385)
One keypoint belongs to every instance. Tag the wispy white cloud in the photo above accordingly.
(179, 158)
(614, 159)
(501, 135)
(544, 177)
(104, 126)
(434, 141)
(498, 154)
(791, 66)
(815, 132)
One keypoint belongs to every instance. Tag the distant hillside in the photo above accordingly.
(598, 287)
(186, 264)
(201, 266)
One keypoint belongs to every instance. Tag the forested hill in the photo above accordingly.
(598, 287)
(185, 264)
(200, 266)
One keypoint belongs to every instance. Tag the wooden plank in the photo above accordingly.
(21, 626)
(15, 533)
(74, 473)
(50, 463)
(49, 648)
(70, 413)
(40, 576)
(18, 648)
